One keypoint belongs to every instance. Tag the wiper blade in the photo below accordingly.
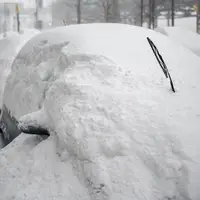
(161, 63)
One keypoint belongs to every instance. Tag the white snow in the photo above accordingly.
(117, 130)
(10, 46)
(185, 23)
(189, 39)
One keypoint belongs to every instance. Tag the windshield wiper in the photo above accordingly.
(161, 63)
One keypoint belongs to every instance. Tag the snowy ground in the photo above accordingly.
(117, 130)
(185, 23)
(189, 39)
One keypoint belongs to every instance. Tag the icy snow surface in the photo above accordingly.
(117, 130)
(185, 37)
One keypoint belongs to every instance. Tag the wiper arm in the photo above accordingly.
(161, 63)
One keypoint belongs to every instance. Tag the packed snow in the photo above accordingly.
(117, 131)
(189, 39)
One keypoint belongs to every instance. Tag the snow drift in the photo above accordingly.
(116, 129)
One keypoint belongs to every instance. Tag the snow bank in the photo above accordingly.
(117, 130)
(185, 37)
(43, 174)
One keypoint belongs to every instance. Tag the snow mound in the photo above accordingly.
(189, 39)
(37, 71)
(99, 122)
(117, 132)
(43, 174)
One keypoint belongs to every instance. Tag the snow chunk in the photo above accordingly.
(35, 123)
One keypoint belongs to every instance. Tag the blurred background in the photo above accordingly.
(43, 14)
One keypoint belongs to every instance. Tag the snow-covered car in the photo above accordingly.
(123, 118)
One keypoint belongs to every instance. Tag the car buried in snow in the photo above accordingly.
(128, 94)
(47, 55)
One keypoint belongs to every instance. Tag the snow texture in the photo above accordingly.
(185, 37)
(188, 23)
(10, 46)
(117, 131)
